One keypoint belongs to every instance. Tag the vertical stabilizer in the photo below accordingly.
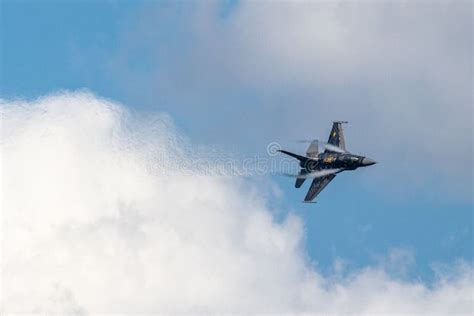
(336, 138)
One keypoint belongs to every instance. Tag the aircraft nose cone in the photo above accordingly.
(368, 162)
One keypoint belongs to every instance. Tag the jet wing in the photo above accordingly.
(336, 138)
(317, 186)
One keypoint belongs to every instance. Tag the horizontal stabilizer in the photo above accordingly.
(313, 149)
(299, 181)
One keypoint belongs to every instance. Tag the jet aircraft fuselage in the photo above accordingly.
(324, 166)
(334, 160)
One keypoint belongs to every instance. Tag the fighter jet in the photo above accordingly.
(323, 167)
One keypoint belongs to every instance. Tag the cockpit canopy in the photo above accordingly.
(349, 158)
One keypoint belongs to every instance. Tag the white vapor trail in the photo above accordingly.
(92, 223)
(315, 174)
(321, 173)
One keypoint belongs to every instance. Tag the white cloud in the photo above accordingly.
(90, 225)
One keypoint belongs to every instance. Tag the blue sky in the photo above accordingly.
(231, 78)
